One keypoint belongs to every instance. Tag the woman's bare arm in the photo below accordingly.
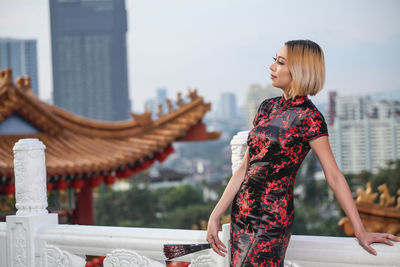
(340, 187)
(231, 188)
(226, 199)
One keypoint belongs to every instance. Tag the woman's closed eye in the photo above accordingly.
(274, 58)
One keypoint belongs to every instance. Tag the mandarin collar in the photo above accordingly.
(295, 101)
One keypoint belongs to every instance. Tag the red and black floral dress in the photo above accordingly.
(262, 210)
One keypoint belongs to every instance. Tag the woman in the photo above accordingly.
(285, 129)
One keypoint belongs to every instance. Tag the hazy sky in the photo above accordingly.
(226, 45)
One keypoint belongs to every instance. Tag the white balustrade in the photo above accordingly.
(33, 237)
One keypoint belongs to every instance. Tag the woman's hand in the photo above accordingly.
(212, 236)
(365, 239)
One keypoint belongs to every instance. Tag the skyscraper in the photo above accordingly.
(228, 105)
(89, 57)
(21, 57)
(161, 98)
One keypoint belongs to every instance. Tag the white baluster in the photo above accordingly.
(238, 147)
(30, 177)
(31, 202)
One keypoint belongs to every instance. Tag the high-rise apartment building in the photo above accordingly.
(365, 134)
(255, 95)
(89, 57)
(228, 105)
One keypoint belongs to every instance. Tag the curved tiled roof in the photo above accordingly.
(77, 146)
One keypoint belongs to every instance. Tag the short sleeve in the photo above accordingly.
(314, 126)
(262, 109)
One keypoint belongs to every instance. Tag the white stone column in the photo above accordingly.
(31, 204)
(238, 147)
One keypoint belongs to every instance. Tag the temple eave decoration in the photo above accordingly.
(78, 148)
(383, 217)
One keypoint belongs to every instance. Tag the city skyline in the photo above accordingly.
(220, 46)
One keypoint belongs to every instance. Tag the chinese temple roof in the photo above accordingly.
(79, 147)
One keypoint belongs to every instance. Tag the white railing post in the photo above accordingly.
(238, 147)
(31, 204)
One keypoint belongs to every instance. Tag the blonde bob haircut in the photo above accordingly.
(305, 60)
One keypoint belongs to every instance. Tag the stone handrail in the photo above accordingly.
(138, 243)
(33, 237)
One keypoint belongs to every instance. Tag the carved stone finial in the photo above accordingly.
(30, 168)
(385, 199)
(160, 110)
(179, 102)
(142, 119)
(366, 196)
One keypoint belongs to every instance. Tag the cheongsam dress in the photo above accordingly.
(262, 210)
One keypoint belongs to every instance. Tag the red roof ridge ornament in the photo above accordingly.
(192, 94)
(169, 105)
(24, 83)
(179, 100)
(160, 112)
(5, 77)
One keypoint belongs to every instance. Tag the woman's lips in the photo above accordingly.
(272, 76)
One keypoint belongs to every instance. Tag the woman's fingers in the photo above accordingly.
(210, 239)
(213, 239)
(382, 238)
(393, 237)
(216, 249)
(221, 248)
(371, 250)
(217, 245)
(386, 238)
(366, 239)
(219, 242)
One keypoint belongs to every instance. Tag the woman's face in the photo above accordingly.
(280, 75)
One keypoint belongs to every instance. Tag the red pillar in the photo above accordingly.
(83, 213)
